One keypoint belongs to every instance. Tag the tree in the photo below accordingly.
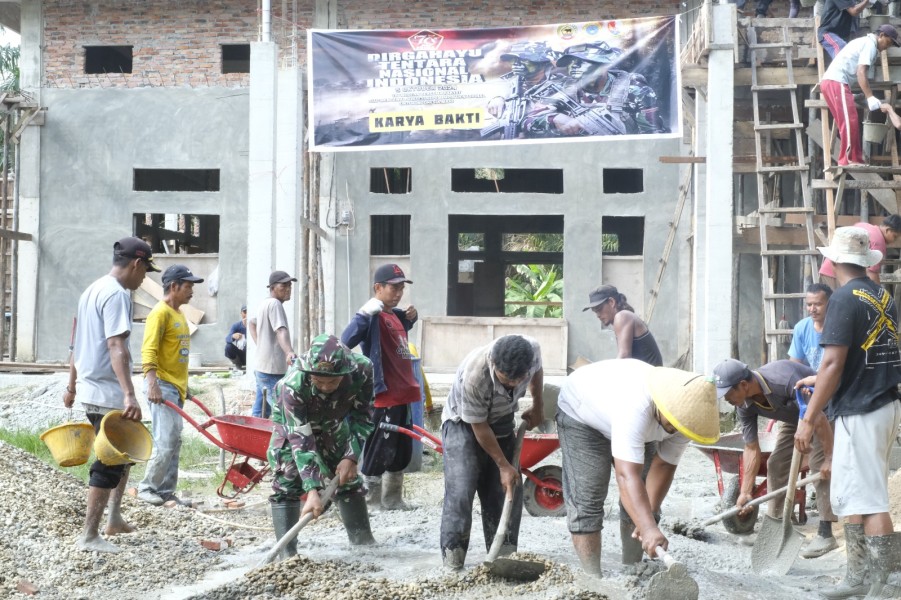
(9, 69)
(534, 283)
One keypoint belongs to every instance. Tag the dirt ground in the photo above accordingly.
(44, 511)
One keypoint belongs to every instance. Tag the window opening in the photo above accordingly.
(107, 59)
(176, 180)
(178, 233)
(623, 181)
(622, 236)
(391, 180)
(507, 181)
(390, 235)
(236, 58)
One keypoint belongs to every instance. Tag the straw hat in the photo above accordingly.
(688, 401)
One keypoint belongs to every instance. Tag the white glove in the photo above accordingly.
(373, 306)
(874, 103)
(240, 344)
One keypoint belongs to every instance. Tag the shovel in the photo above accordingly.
(508, 568)
(326, 499)
(768, 496)
(672, 583)
(778, 543)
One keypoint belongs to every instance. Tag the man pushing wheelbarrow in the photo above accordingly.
(321, 420)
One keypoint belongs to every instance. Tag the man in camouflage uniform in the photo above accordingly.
(529, 75)
(321, 420)
(596, 99)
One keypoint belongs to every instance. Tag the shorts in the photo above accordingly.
(102, 476)
(587, 462)
(860, 461)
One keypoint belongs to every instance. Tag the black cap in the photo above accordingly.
(133, 247)
(179, 273)
(728, 374)
(279, 277)
(390, 273)
(600, 295)
(889, 32)
(243, 308)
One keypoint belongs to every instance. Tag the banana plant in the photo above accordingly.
(534, 283)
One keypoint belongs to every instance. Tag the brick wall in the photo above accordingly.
(411, 14)
(176, 42)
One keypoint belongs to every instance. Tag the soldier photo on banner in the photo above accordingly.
(576, 81)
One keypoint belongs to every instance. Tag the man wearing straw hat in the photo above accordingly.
(100, 371)
(164, 358)
(609, 410)
(857, 386)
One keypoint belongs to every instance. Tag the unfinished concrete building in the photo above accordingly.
(184, 122)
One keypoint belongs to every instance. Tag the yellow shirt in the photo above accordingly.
(166, 345)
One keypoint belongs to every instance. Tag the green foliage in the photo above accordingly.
(9, 69)
(534, 283)
(31, 442)
(609, 243)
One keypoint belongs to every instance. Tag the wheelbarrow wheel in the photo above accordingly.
(738, 524)
(544, 501)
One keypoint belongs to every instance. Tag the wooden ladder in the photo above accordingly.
(770, 210)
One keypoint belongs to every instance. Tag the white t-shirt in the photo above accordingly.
(861, 51)
(270, 357)
(611, 396)
(104, 311)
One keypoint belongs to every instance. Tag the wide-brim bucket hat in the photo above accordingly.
(851, 245)
(688, 401)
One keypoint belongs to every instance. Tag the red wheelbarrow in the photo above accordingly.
(543, 489)
(726, 455)
(247, 437)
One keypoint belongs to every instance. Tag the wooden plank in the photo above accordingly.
(853, 184)
(15, 235)
(695, 76)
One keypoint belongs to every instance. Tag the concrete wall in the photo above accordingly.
(582, 205)
(89, 148)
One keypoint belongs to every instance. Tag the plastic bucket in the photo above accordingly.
(70, 443)
(416, 417)
(122, 441)
(874, 132)
(195, 360)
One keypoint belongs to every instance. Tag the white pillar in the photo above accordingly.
(714, 312)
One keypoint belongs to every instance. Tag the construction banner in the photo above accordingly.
(385, 89)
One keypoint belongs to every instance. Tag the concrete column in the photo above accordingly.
(31, 74)
(715, 312)
(288, 183)
(261, 181)
(699, 254)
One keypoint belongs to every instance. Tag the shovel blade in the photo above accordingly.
(519, 570)
(776, 548)
(673, 583)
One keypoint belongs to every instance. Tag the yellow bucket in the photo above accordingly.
(70, 443)
(122, 441)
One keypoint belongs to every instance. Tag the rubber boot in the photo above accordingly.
(632, 550)
(884, 556)
(285, 516)
(453, 558)
(356, 519)
(393, 491)
(373, 492)
(854, 583)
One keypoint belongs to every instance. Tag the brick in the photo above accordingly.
(214, 545)
(23, 586)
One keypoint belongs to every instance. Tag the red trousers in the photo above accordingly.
(841, 104)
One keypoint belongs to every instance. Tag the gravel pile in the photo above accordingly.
(302, 578)
(43, 513)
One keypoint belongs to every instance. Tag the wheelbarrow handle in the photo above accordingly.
(769, 496)
(433, 443)
(202, 428)
(202, 406)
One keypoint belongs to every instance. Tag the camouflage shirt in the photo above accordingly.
(317, 431)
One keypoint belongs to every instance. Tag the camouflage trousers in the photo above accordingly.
(287, 483)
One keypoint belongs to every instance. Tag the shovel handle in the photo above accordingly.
(768, 496)
(501, 532)
(292, 533)
(663, 554)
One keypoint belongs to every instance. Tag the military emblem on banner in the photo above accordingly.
(567, 32)
(425, 40)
